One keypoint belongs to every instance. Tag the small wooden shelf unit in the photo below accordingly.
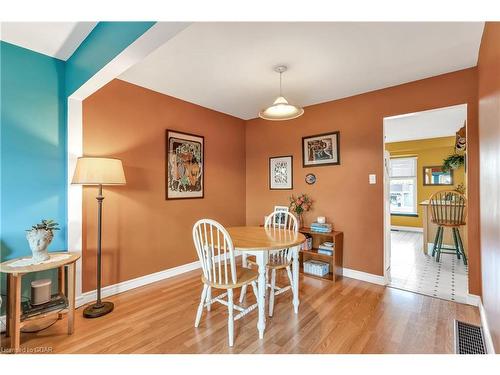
(335, 260)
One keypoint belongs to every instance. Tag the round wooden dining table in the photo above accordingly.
(259, 241)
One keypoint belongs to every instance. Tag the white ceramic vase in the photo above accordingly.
(39, 240)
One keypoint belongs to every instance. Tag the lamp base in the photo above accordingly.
(95, 310)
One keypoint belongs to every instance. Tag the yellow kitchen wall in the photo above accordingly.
(429, 152)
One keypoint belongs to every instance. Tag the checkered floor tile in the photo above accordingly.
(415, 271)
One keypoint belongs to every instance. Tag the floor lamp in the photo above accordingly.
(98, 171)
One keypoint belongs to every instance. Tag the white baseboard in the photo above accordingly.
(473, 300)
(407, 229)
(135, 283)
(490, 349)
(363, 276)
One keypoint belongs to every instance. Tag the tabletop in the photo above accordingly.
(260, 238)
(7, 267)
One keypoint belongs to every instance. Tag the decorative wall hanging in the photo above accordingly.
(185, 165)
(435, 175)
(281, 173)
(310, 178)
(321, 149)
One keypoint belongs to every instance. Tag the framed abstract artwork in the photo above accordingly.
(281, 173)
(185, 165)
(321, 149)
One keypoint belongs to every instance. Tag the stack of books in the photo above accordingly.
(326, 248)
(316, 268)
(308, 244)
(321, 228)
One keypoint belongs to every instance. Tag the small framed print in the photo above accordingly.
(184, 165)
(281, 173)
(321, 149)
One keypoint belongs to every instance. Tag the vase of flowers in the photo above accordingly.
(298, 205)
(39, 238)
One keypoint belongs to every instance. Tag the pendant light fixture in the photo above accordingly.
(281, 110)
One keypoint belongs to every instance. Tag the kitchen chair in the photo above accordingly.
(216, 253)
(448, 210)
(278, 259)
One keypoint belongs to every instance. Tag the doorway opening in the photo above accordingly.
(425, 153)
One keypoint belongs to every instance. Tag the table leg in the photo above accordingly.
(71, 298)
(60, 285)
(261, 262)
(295, 278)
(15, 310)
(8, 312)
(244, 262)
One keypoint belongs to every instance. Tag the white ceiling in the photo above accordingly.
(228, 67)
(55, 39)
(441, 122)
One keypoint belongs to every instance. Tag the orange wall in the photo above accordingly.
(489, 137)
(143, 232)
(342, 193)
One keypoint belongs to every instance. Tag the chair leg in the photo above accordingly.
(243, 293)
(209, 297)
(230, 318)
(255, 291)
(440, 244)
(455, 240)
(200, 306)
(462, 250)
(436, 239)
(271, 295)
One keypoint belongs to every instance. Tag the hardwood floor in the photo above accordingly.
(349, 316)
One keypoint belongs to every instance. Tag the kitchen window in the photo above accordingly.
(403, 189)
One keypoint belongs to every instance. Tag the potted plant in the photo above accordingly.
(39, 238)
(453, 162)
(300, 204)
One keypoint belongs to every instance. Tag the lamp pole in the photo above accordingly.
(99, 198)
(99, 308)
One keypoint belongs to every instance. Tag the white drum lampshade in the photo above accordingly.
(99, 171)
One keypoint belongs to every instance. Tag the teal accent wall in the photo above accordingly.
(33, 148)
(102, 45)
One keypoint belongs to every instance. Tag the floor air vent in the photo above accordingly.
(468, 339)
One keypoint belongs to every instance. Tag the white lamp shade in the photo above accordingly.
(99, 171)
(281, 110)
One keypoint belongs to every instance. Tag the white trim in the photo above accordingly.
(111, 290)
(490, 349)
(407, 229)
(363, 276)
(74, 192)
(473, 300)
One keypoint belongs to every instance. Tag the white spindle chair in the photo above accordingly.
(278, 259)
(216, 253)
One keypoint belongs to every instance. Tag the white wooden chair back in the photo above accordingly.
(281, 220)
(216, 251)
